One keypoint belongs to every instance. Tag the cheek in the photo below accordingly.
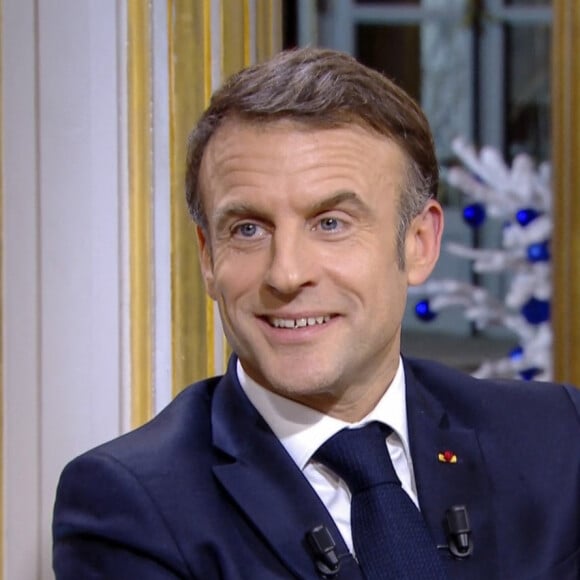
(367, 265)
(235, 276)
(379, 284)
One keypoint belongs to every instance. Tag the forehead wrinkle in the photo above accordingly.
(224, 148)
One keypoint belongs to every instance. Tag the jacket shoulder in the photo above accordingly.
(481, 400)
(183, 427)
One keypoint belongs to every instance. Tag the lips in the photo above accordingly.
(300, 322)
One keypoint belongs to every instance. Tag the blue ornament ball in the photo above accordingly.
(530, 373)
(474, 214)
(539, 252)
(424, 312)
(516, 353)
(536, 311)
(527, 215)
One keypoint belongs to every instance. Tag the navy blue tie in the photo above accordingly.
(390, 537)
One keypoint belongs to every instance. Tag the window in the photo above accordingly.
(479, 68)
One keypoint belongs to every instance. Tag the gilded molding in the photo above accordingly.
(190, 88)
(566, 145)
(235, 25)
(140, 218)
(268, 28)
(2, 534)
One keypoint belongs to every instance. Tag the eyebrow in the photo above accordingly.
(340, 198)
(235, 210)
(242, 209)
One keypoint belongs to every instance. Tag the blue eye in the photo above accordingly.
(329, 224)
(247, 230)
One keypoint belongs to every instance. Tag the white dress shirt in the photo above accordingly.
(302, 430)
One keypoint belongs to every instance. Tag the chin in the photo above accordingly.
(302, 384)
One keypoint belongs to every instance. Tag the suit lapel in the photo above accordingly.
(266, 484)
(442, 484)
(261, 478)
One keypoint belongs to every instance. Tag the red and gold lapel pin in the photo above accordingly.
(447, 457)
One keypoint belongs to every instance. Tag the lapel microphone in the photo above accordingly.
(458, 529)
(323, 546)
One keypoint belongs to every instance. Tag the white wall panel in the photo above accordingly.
(20, 243)
(63, 192)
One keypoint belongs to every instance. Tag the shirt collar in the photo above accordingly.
(302, 430)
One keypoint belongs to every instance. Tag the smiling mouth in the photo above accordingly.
(297, 322)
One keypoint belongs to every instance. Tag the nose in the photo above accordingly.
(292, 264)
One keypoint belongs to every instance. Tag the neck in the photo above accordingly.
(355, 401)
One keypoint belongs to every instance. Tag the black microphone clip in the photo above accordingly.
(322, 545)
(458, 531)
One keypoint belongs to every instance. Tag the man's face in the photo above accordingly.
(300, 255)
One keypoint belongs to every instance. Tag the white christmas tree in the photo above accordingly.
(521, 197)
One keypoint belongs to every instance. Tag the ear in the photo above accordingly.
(206, 262)
(423, 243)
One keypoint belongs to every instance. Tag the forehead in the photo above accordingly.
(235, 129)
(243, 154)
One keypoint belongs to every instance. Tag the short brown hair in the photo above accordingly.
(321, 88)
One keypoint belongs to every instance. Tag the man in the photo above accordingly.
(312, 180)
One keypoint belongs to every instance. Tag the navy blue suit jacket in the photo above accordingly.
(205, 490)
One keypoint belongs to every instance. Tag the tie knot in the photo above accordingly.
(360, 457)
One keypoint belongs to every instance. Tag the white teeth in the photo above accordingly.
(299, 322)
